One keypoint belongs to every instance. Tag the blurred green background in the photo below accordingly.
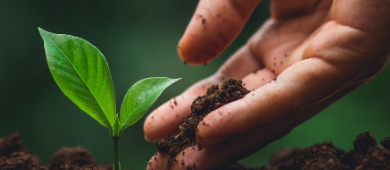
(139, 39)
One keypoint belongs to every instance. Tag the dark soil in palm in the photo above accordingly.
(366, 155)
(14, 156)
(215, 97)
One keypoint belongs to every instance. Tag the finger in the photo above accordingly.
(215, 24)
(367, 16)
(165, 120)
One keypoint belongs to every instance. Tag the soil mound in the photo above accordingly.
(75, 159)
(13, 155)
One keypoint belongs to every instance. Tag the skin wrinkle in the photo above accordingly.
(281, 13)
(244, 16)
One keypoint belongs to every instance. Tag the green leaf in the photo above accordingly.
(141, 97)
(82, 73)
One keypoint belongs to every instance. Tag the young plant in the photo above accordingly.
(82, 73)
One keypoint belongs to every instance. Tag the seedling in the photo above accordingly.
(82, 73)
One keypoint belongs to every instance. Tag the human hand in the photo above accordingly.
(319, 51)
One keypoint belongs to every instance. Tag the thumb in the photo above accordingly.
(215, 24)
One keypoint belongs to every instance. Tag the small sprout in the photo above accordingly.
(73, 63)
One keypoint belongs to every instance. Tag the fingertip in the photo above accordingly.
(207, 142)
(214, 25)
(166, 119)
(158, 162)
(207, 131)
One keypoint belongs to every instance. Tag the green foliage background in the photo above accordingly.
(139, 39)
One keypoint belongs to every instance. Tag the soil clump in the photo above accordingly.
(215, 97)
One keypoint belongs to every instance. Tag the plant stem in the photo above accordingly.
(117, 165)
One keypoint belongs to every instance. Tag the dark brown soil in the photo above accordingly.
(215, 97)
(14, 156)
(75, 158)
(386, 143)
(366, 155)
